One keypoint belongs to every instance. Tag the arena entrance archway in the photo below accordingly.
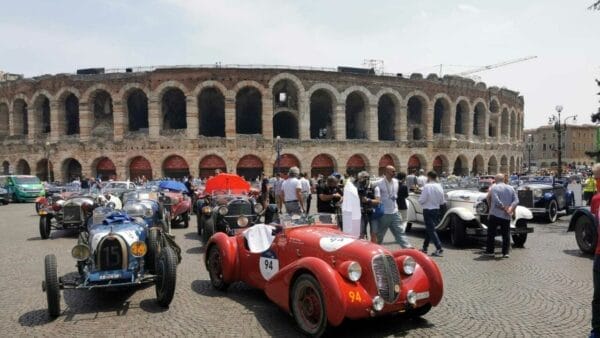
(415, 163)
(386, 160)
(461, 167)
(286, 161)
(140, 168)
(210, 164)
(478, 166)
(105, 169)
(176, 167)
(356, 163)
(250, 167)
(41, 170)
(5, 168)
(322, 164)
(440, 165)
(492, 166)
(23, 168)
(71, 169)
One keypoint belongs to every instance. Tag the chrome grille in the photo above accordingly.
(239, 207)
(72, 214)
(387, 277)
(526, 198)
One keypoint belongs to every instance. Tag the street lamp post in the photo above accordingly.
(278, 148)
(529, 148)
(560, 126)
(47, 148)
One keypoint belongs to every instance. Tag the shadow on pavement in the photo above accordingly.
(35, 318)
(197, 250)
(578, 253)
(192, 235)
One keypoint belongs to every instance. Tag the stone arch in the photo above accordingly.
(5, 167)
(492, 166)
(461, 116)
(356, 163)
(71, 169)
(287, 91)
(385, 160)
(173, 108)
(494, 105)
(248, 110)
(286, 161)
(160, 91)
(416, 162)
(175, 167)
(287, 76)
(442, 114)
(285, 125)
(387, 115)
(513, 124)
(250, 167)
(440, 164)
(44, 170)
(416, 109)
(322, 164)
(511, 167)
(68, 110)
(104, 168)
(478, 167)
(4, 119)
(357, 105)
(139, 168)
(135, 99)
(100, 103)
(480, 128)
(504, 164)
(20, 115)
(322, 108)
(210, 164)
(41, 111)
(23, 167)
(504, 122)
(461, 166)
(211, 109)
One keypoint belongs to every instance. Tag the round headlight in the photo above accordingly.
(206, 210)
(258, 208)
(354, 271)
(411, 297)
(223, 211)
(80, 252)
(537, 193)
(242, 221)
(408, 265)
(482, 208)
(138, 249)
(148, 212)
(378, 303)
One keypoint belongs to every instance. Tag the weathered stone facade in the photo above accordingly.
(144, 118)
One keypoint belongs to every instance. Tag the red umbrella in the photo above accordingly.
(226, 182)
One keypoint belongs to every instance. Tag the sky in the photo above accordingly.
(48, 37)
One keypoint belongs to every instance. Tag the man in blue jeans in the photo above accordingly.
(431, 198)
(387, 195)
(503, 201)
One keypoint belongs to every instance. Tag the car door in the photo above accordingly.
(559, 194)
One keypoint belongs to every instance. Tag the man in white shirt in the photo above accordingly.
(108, 198)
(305, 189)
(431, 198)
(421, 179)
(291, 193)
(387, 195)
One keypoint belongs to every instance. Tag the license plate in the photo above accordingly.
(110, 276)
(422, 295)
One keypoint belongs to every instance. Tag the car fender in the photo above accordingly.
(463, 213)
(522, 212)
(411, 214)
(581, 212)
(229, 253)
(431, 269)
(279, 288)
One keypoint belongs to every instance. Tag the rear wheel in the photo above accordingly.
(215, 268)
(308, 306)
(585, 235)
(51, 286)
(45, 226)
(458, 232)
(552, 212)
(166, 276)
(520, 238)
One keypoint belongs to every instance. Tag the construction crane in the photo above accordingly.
(501, 64)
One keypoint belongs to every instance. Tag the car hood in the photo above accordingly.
(465, 195)
(129, 231)
(30, 186)
(79, 200)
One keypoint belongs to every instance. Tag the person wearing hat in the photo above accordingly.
(291, 193)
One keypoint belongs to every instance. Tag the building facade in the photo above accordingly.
(543, 143)
(176, 121)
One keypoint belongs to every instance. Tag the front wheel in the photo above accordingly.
(552, 212)
(520, 239)
(308, 306)
(585, 235)
(458, 232)
(214, 266)
(38, 206)
(166, 276)
(208, 229)
(45, 227)
(51, 286)
(153, 249)
(199, 223)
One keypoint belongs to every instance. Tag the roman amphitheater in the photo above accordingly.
(174, 121)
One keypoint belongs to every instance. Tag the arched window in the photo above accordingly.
(211, 108)
(356, 122)
(386, 118)
(285, 125)
(248, 111)
(174, 111)
(321, 116)
(137, 110)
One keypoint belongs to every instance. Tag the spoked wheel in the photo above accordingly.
(51, 286)
(45, 226)
(552, 213)
(215, 269)
(166, 276)
(308, 306)
(585, 235)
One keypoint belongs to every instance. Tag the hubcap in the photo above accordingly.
(310, 306)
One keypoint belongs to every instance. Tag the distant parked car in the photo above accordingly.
(545, 196)
(4, 197)
(176, 203)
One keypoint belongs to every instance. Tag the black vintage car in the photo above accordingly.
(585, 226)
(545, 196)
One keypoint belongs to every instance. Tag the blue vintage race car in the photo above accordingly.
(117, 251)
(545, 196)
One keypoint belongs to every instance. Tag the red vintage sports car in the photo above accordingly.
(321, 275)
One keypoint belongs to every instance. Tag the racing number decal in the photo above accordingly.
(354, 297)
(268, 264)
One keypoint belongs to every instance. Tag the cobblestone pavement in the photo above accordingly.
(544, 289)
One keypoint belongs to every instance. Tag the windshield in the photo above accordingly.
(468, 183)
(312, 219)
(537, 179)
(27, 180)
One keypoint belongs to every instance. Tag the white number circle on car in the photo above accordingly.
(268, 264)
(334, 243)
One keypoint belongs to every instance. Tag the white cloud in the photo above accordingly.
(469, 9)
